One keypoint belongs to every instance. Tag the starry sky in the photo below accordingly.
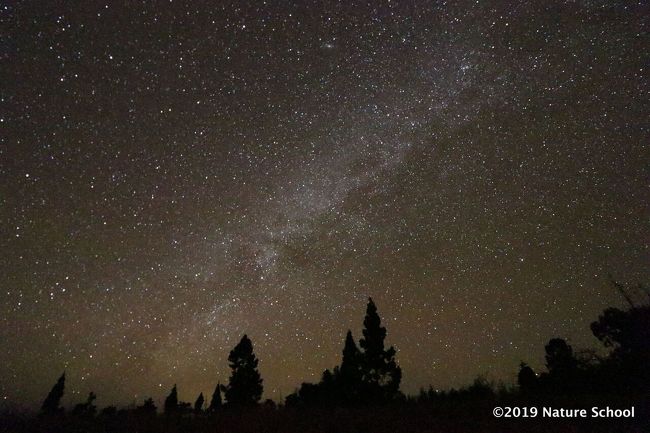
(177, 174)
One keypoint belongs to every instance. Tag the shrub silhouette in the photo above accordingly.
(147, 408)
(87, 408)
(526, 378)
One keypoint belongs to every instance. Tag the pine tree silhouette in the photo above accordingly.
(53, 399)
(379, 371)
(245, 384)
(215, 402)
(368, 376)
(350, 367)
(198, 404)
(348, 375)
(171, 402)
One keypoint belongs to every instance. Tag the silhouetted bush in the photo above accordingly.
(87, 409)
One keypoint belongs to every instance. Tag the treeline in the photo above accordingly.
(624, 371)
(244, 389)
(576, 377)
(369, 377)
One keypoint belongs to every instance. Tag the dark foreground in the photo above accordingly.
(411, 418)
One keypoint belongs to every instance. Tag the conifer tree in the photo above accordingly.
(171, 402)
(350, 363)
(198, 404)
(53, 399)
(379, 371)
(348, 375)
(245, 384)
(215, 402)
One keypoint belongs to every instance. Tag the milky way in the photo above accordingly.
(177, 174)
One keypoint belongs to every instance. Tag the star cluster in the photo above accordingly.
(177, 174)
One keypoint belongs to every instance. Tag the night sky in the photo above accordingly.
(177, 174)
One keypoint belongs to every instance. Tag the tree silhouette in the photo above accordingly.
(215, 402)
(368, 376)
(171, 402)
(245, 384)
(350, 369)
(627, 333)
(560, 359)
(527, 379)
(348, 376)
(198, 404)
(53, 399)
(379, 371)
(563, 373)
